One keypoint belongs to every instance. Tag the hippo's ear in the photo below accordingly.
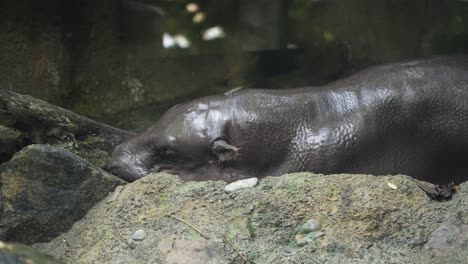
(223, 150)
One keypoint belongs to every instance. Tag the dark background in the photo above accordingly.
(105, 59)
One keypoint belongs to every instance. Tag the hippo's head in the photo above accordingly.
(188, 140)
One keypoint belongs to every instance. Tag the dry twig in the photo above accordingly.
(235, 248)
(193, 227)
(205, 236)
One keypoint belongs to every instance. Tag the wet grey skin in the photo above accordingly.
(403, 118)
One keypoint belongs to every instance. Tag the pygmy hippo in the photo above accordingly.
(403, 118)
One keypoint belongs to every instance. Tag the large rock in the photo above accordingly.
(12, 253)
(44, 190)
(10, 142)
(43, 123)
(298, 218)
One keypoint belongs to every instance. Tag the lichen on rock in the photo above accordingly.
(360, 218)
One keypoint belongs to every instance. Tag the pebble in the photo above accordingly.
(310, 226)
(308, 232)
(289, 252)
(140, 234)
(242, 184)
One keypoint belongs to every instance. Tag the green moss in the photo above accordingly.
(8, 135)
(163, 197)
(192, 234)
(92, 140)
(239, 228)
(169, 180)
(271, 256)
(97, 157)
(190, 186)
(12, 187)
(25, 253)
(255, 217)
(295, 183)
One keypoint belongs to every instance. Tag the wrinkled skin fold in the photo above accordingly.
(404, 118)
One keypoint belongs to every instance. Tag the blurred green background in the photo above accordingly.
(124, 62)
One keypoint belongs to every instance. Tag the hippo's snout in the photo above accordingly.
(122, 171)
(126, 165)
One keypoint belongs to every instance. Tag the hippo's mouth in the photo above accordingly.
(190, 171)
(169, 168)
(174, 168)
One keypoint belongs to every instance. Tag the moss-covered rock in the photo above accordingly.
(12, 253)
(44, 190)
(361, 218)
(42, 123)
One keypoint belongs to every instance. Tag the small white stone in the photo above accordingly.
(241, 184)
(310, 226)
(140, 234)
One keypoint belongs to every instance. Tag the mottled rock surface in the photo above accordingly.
(44, 190)
(362, 218)
(10, 142)
(12, 253)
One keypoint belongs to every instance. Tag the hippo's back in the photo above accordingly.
(415, 120)
(400, 118)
